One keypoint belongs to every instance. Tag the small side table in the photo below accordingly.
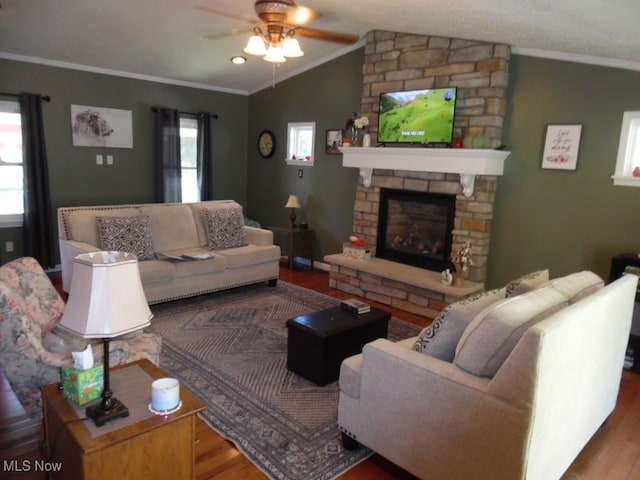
(294, 242)
(143, 445)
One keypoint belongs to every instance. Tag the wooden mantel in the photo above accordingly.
(467, 162)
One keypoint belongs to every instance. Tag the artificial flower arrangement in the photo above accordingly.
(295, 157)
(461, 258)
(361, 122)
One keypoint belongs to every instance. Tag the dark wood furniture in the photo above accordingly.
(143, 445)
(317, 343)
(294, 242)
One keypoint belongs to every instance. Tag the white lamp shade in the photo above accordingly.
(274, 55)
(255, 46)
(293, 202)
(106, 298)
(291, 48)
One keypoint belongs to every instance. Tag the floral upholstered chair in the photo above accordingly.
(32, 350)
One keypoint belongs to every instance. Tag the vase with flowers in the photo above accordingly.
(460, 260)
(357, 126)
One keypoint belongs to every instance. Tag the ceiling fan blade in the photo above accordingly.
(234, 31)
(204, 8)
(328, 36)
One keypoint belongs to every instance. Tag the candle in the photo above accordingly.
(165, 394)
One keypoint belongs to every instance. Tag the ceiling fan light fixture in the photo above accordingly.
(291, 48)
(255, 46)
(274, 55)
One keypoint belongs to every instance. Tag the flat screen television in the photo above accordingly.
(417, 116)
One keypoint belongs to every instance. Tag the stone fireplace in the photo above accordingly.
(397, 61)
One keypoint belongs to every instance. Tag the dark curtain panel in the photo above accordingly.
(167, 151)
(204, 156)
(38, 223)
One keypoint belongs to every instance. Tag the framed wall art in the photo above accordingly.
(334, 140)
(101, 127)
(561, 146)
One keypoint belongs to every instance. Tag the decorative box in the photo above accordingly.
(356, 252)
(82, 386)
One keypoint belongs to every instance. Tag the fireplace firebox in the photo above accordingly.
(416, 228)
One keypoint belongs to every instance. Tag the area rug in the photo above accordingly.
(229, 349)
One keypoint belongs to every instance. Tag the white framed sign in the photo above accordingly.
(561, 146)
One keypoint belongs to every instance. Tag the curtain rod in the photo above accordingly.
(214, 115)
(46, 98)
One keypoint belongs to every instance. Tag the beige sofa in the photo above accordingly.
(526, 416)
(173, 230)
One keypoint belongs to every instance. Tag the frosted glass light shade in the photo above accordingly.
(291, 48)
(274, 55)
(106, 298)
(255, 46)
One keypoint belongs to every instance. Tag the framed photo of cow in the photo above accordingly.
(101, 127)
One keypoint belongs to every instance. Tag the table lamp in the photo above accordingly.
(293, 203)
(106, 300)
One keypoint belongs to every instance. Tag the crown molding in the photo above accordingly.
(577, 58)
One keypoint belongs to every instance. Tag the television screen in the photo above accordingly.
(417, 116)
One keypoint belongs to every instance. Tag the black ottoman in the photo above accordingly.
(317, 343)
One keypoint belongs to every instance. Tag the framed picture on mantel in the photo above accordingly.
(561, 146)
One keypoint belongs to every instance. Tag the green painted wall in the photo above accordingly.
(327, 95)
(74, 176)
(563, 220)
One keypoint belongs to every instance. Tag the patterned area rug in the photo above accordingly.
(230, 348)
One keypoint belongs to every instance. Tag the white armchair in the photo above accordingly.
(528, 421)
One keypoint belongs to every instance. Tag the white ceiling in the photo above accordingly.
(163, 40)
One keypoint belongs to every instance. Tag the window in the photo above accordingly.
(628, 163)
(188, 159)
(300, 143)
(11, 172)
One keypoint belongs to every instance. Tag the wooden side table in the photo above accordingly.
(294, 242)
(143, 445)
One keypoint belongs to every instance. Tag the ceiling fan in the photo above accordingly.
(280, 22)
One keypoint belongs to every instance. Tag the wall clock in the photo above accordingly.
(266, 143)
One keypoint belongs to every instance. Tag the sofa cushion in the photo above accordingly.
(576, 286)
(225, 228)
(441, 337)
(490, 337)
(173, 226)
(526, 283)
(127, 234)
(81, 224)
(249, 255)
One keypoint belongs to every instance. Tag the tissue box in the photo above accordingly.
(82, 386)
(355, 252)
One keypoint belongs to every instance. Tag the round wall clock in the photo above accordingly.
(266, 143)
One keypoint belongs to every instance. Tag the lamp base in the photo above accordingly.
(106, 411)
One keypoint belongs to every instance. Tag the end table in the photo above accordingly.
(143, 445)
(294, 242)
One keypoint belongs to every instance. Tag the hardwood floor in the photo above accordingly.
(613, 452)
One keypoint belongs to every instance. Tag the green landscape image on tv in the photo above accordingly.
(417, 116)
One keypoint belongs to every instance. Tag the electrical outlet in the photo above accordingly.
(109, 159)
(300, 173)
(8, 246)
(99, 159)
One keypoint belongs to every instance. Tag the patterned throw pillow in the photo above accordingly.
(526, 283)
(441, 337)
(225, 228)
(127, 234)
